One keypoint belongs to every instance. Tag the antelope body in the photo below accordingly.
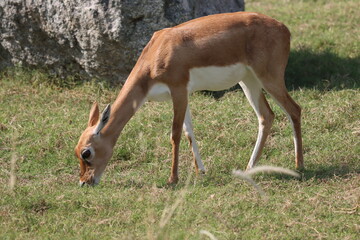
(210, 53)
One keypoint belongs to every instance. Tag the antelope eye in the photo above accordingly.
(85, 154)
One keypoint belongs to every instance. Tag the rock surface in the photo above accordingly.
(96, 38)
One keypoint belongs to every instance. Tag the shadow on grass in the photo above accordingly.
(318, 172)
(218, 178)
(320, 70)
(329, 171)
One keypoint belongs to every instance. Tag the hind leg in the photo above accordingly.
(253, 91)
(293, 112)
(274, 84)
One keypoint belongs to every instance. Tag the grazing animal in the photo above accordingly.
(215, 53)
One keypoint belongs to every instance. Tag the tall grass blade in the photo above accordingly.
(247, 178)
(272, 169)
(209, 234)
(12, 180)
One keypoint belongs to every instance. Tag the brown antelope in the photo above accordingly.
(209, 53)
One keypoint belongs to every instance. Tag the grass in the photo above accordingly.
(42, 117)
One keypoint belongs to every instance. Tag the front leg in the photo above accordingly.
(180, 98)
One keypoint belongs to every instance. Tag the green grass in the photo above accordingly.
(41, 118)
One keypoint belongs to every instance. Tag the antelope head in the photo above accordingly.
(93, 149)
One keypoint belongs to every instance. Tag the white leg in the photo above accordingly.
(254, 94)
(189, 133)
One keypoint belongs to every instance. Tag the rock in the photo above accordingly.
(95, 38)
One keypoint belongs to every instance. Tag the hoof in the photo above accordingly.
(201, 172)
(173, 180)
(248, 168)
(300, 167)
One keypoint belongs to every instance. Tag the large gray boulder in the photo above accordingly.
(95, 38)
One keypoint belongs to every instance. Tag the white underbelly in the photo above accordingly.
(215, 78)
(211, 78)
(159, 92)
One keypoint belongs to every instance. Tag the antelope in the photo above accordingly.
(213, 53)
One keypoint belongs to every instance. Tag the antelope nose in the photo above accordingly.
(81, 183)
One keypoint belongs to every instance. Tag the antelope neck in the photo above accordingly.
(130, 98)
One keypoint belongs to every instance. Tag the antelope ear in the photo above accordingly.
(94, 115)
(103, 120)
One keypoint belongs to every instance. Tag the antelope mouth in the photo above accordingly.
(89, 179)
(91, 182)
